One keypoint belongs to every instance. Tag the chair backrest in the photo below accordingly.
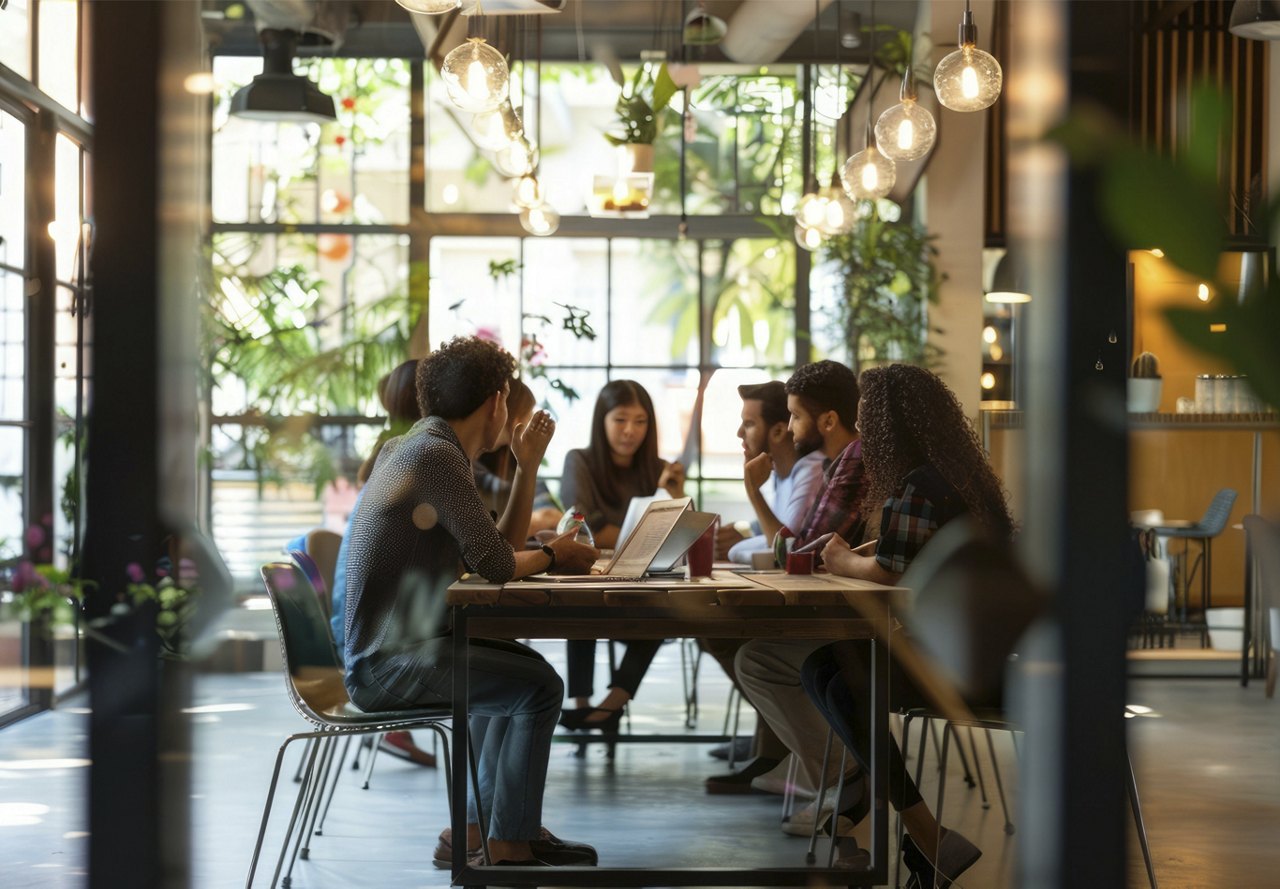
(322, 547)
(312, 671)
(1264, 547)
(308, 566)
(1219, 511)
(973, 602)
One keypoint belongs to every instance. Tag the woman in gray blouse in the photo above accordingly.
(620, 462)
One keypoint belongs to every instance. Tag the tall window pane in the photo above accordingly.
(15, 37)
(13, 205)
(59, 37)
(67, 196)
(475, 290)
(654, 319)
(354, 170)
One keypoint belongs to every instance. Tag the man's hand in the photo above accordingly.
(573, 557)
(726, 537)
(529, 440)
(672, 479)
(756, 471)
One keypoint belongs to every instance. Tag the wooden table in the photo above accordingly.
(725, 605)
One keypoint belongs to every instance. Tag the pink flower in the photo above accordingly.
(135, 572)
(34, 536)
(489, 334)
(26, 576)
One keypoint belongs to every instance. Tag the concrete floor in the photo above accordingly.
(1206, 758)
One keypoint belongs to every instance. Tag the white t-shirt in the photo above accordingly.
(792, 496)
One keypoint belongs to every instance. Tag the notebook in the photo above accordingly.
(640, 548)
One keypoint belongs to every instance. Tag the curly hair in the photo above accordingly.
(457, 378)
(908, 417)
(827, 386)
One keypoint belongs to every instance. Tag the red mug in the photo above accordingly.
(702, 555)
(799, 563)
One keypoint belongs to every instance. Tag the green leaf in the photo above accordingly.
(663, 89)
(1153, 202)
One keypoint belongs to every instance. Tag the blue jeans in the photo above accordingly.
(514, 703)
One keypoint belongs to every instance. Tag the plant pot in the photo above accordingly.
(1144, 395)
(1226, 628)
(639, 158)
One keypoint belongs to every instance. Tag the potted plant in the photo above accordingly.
(1145, 385)
(640, 112)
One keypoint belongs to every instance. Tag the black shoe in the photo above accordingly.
(563, 853)
(740, 782)
(955, 856)
(741, 749)
(576, 719)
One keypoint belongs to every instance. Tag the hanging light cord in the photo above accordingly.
(871, 74)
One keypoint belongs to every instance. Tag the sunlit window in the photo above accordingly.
(59, 38)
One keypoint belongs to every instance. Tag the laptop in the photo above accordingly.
(641, 547)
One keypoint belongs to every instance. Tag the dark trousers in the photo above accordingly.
(514, 699)
(580, 655)
(837, 679)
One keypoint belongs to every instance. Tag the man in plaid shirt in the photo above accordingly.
(823, 401)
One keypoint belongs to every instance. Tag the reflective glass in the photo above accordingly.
(354, 170)
(13, 204)
(304, 323)
(13, 349)
(475, 289)
(654, 311)
(565, 301)
(749, 286)
(66, 227)
(59, 38)
(15, 37)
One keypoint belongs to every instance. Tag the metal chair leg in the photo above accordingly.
(977, 766)
(906, 749)
(308, 811)
(1009, 829)
(322, 781)
(822, 796)
(942, 787)
(306, 750)
(1138, 821)
(835, 816)
(788, 792)
(297, 808)
(373, 755)
(733, 735)
(964, 760)
(266, 811)
(333, 785)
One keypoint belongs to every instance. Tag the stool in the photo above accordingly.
(1203, 532)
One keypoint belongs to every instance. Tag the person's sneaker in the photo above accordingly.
(741, 749)
(775, 781)
(400, 744)
(741, 781)
(800, 824)
(955, 856)
(547, 848)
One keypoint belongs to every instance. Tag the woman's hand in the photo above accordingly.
(529, 440)
(837, 555)
(672, 479)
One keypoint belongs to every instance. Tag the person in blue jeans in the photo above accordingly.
(420, 523)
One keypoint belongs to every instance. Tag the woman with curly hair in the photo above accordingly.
(925, 467)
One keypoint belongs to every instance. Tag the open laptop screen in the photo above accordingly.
(634, 554)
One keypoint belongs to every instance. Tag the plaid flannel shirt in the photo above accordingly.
(839, 506)
(925, 503)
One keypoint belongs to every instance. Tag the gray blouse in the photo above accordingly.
(580, 487)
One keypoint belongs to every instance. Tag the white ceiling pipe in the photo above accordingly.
(761, 30)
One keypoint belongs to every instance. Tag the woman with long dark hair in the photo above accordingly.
(620, 462)
(925, 467)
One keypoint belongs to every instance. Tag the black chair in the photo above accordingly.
(1202, 532)
(314, 681)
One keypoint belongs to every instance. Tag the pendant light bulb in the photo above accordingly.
(527, 192)
(811, 212)
(968, 79)
(906, 132)
(868, 174)
(839, 213)
(541, 220)
(517, 158)
(492, 130)
(476, 77)
(808, 238)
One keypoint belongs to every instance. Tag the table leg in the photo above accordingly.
(880, 760)
(1248, 611)
(461, 741)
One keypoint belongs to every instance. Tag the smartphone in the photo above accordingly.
(817, 544)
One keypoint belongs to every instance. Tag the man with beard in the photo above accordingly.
(823, 402)
(769, 452)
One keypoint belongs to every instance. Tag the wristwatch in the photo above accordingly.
(551, 554)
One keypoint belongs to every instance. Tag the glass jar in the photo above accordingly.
(1204, 394)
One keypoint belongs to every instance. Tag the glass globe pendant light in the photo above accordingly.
(839, 214)
(809, 238)
(868, 174)
(517, 158)
(906, 132)
(527, 192)
(811, 212)
(430, 7)
(476, 77)
(541, 220)
(968, 79)
(492, 130)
